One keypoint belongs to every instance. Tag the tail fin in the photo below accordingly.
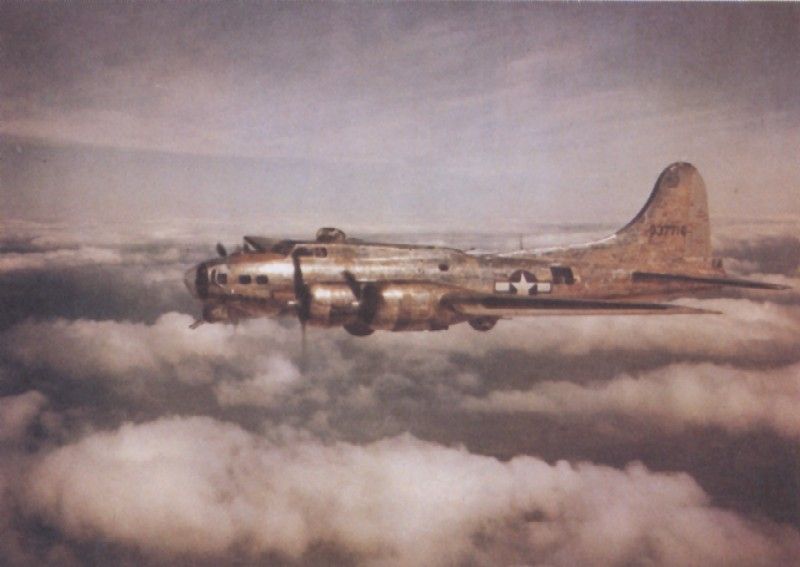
(673, 224)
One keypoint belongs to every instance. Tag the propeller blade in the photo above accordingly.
(303, 304)
(368, 305)
(303, 348)
(353, 284)
(368, 296)
(301, 292)
(221, 250)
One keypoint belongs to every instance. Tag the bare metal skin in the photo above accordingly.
(663, 253)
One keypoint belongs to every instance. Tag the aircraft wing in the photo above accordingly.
(483, 305)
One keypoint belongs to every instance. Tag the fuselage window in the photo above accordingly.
(222, 278)
(320, 252)
(262, 280)
(444, 267)
(562, 275)
(245, 279)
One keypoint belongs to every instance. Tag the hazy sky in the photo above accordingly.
(393, 115)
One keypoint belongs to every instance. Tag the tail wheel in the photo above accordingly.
(359, 329)
(483, 324)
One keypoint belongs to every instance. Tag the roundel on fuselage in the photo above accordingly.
(522, 282)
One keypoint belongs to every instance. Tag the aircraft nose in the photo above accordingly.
(196, 281)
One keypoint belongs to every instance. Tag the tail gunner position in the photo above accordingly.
(333, 280)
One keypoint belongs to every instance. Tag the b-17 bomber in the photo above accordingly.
(663, 253)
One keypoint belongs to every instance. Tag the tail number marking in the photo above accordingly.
(669, 230)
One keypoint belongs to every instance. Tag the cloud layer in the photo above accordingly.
(610, 440)
(200, 486)
(675, 395)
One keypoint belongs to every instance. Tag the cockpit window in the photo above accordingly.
(245, 279)
(222, 278)
(285, 247)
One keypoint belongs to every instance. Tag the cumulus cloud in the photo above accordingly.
(58, 259)
(18, 412)
(65, 257)
(22, 418)
(133, 256)
(274, 375)
(84, 348)
(114, 349)
(674, 395)
(199, 486)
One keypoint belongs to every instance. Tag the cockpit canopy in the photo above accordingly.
(285, 246)
(263, 244)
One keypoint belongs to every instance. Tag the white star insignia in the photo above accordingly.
(523, 286)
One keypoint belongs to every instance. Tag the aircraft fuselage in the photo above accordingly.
(663, 253)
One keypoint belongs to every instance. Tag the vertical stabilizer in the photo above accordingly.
(673, 224)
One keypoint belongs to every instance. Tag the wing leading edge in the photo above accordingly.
(481, 305)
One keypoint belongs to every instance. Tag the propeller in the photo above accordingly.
(368, 296)
(352, 282)
(302, 296)
(221, 250)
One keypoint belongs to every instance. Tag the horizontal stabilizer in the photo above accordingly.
(712, 280)
(515, 306)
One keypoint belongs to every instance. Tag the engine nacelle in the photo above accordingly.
(332, 305)
(412, 307)
(396, 307)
